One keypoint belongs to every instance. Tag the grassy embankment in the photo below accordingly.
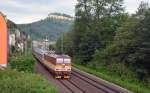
(19, 77)
(134, 86)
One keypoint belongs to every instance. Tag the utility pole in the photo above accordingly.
(62, 44)
(46, 43)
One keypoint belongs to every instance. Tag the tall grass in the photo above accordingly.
(17, 82)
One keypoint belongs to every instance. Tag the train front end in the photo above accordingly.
(60, 65)
(63, 67)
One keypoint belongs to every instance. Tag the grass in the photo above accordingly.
(136, 87)
(12, 81)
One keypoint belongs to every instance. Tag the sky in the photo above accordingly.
(27, 11)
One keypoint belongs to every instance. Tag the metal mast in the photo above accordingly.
(62, 43)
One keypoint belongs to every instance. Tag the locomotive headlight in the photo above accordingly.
(63, 64)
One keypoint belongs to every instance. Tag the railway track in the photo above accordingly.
(95, 83)
(70, 89)
(72, 86)
(79, 83)
(69, 85)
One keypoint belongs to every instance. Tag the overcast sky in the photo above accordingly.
(26, 11)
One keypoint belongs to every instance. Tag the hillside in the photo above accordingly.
(52, 26)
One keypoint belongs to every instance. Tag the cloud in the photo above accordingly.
(26, 11)
(132, 5)
(24, 18)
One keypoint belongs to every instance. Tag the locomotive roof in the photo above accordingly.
(58, 56)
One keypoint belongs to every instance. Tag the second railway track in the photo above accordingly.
(98, 85)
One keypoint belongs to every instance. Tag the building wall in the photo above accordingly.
(59, 17)
(12, 39)
(3, 41)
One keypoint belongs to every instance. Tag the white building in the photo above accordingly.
(20, 47)
(17, 33)
(12, 39)
(59, 17)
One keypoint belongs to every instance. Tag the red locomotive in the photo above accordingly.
(58, 65)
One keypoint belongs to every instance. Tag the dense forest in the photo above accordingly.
(106, 37)
(50, 27)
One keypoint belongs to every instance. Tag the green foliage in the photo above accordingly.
(140, 58)
(12, 49)
(121, 70)
(89, 43)
(123, 40)
(22, 63)
(130, 48)
(134, 47)
(66, 40)
(16, 82)
(52, 47)
(11, 26)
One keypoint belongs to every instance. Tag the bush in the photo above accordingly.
(22, 63)
(17, 82)
(121, 70)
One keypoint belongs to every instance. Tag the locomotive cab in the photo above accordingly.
(59, 65)
(63, 67)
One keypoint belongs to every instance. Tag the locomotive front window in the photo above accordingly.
(59, 60)
(67, 60)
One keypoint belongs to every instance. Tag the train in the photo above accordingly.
(58, 64)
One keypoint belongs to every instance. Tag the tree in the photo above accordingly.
(142, 9)
(131, 47)
(67, 44)
(120, 46)
(89, 43)
(141, 55)
(95, 25)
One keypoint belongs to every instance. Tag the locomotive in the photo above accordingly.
(58, 64)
